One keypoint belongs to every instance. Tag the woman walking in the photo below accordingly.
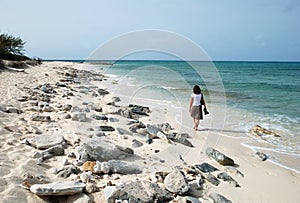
(195, 108)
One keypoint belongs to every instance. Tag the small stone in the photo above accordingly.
(91, 187)
(105, 128)
(37, 117)
(262, 156)
(57, 188)
(176, 182)
(212, 179)
(136, 143)
(79, 198)
(219, 157)
(88, 166)
(205, 167)
(45, 141)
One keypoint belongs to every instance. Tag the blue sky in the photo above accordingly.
(226, 30)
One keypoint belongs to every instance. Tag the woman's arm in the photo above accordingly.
(191, 103)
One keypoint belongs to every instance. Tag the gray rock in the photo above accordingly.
(49, 153)
(136, 143)
(113, 120)
(183, 141)
(123, 167)
(57, 188)
(205, 167)
(97, 109)
(67, 116)
(91, 187)
(227, 178)
(137, 192)
(262, 156)
(152, 130)
(98, 149)
(188, 199)
(212, 179)
(37, 117)
(99, 117)
(165, 127)
(122, 131)
(67, 171)
(105, 128)
(102, 92)
(66, 107)
(176, 182)
(45, 141)
(217, 198)
(79, 198)
(78, 116)
(219, 157)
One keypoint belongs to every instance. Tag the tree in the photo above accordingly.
(11, 45)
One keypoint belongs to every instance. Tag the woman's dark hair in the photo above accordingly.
(196, 89)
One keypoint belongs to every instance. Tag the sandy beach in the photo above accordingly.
(63, 121)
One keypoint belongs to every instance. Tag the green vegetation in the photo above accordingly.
(11, 48)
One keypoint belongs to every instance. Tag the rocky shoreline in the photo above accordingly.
(67, 139)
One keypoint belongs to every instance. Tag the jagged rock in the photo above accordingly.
(153, 130)
(139, 109)
(99, 117)
(98, 149)
(124, 167)
(86, 176)
(66, 107)
(116, 166)
(227, 178)
(233, 170)
(102, 92)
(51, 152)
(217, 198)
(45, 141)
(78, 116)
(262, 156)
(67, 116)
(183, 141)
(176, 182)
(136, 143)
(67, 171)
(137, 192)
(105, 128)
(122, 131)
(260, 131)
(212, 179)
(57, 188)
(47, 89)
(219, 157)
(165, 127)
(205, 167)
(37, 117)
(79, 198)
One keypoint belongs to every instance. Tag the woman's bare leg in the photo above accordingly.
(197, 124)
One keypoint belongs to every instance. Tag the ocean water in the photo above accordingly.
(263, 93)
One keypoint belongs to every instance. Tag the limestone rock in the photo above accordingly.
(137, 192)
(217, 198)
(45, 141)
(212, 179)
(37, 117)
(98, 149)
(136, 143)
(176, 182)
(227, 178)
(205, 167)
(219, 157)
(57, 188)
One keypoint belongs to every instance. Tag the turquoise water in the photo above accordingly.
(269, 88)
(254, 93)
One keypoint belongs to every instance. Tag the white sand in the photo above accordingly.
(262, 182)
